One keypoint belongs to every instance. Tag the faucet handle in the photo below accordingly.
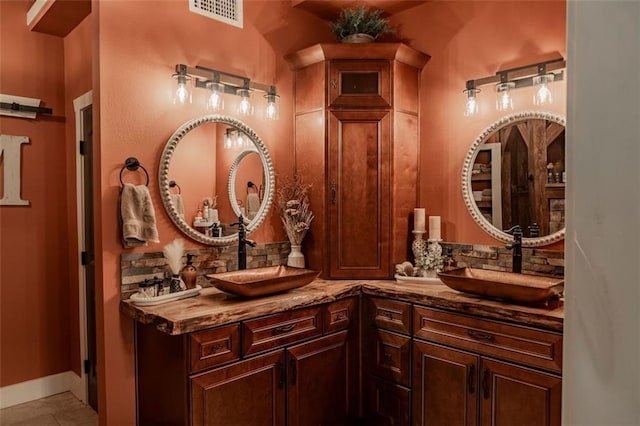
(513, 230)
(250, 242)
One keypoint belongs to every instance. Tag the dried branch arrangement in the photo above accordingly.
(293, 205)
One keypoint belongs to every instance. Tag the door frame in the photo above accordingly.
(79, 104)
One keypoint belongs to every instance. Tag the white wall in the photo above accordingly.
(601, 383)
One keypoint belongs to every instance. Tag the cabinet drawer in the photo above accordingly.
(388, 356)
(389, 314)
(213, 347)
(521, 344)
(339, 315)
(274, 331)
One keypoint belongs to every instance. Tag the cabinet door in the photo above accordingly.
(246, 393)
(444, 386)
(359, 84)
(322, 381)
(513, 395)
(387, 404)
(359, 198)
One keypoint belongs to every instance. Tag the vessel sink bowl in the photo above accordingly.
(507, 286)
(262, 281)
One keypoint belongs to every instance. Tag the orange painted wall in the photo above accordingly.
(34, 273)
(470, 40)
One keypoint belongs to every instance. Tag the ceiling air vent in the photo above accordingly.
(227, 11)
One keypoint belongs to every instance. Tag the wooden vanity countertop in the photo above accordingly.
(213, 307)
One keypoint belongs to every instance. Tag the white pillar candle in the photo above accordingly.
(434, 227)
(213, 216)
(418, 220)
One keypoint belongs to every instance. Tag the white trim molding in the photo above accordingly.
(38, 388)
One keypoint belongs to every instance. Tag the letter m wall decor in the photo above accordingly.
(10, 153)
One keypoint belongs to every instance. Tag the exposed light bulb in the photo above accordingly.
(182, 95)
(504, 101)
(239, 141)
(215, 101)
(245, 107)
(228, 141)
(471, 106)
(543, 95)
(271, 112)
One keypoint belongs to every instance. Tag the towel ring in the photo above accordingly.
(173, 184)
(132, 164)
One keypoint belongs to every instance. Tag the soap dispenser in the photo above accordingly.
(189, 273)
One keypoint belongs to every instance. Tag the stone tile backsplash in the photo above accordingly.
(136, 267)
(498, 258)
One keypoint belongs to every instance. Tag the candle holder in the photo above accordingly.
(434, 247)
(419, 246)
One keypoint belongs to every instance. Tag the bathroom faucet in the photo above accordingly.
(242, 243)
(516, 246)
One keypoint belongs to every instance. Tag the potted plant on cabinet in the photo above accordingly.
(360, 25)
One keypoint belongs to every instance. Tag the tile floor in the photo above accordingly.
(63, 409)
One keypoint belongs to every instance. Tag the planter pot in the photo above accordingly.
(295, 258)
(358, 38)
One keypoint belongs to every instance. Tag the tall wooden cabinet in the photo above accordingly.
(357, 143)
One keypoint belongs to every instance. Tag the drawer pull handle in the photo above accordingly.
(283, 329)
(472, 378)
(485, 383)
(387, 315)
(387, 356)
(294, 371)
(281, 371)
(340, 316)
(481, 336)
(216, 347)
(332, 186)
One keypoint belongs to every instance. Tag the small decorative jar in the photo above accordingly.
(189, 273)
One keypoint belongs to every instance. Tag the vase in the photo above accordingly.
(429, 273)
(295, 258)
(358, 38)
(189, 273)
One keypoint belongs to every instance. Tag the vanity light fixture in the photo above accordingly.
(543, 95)
(245, 107)
(234, 138)
(228, 139)
(539, 75)
(215, 102)
(471, 106)
(504, 101)
(220, 83)
(182, 94)
(271, 112)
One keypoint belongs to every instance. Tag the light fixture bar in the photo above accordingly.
(221, 82)
(521, 76)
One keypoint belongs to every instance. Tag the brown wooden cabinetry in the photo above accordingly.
(295, 368)
(463, 384)
(356, 122)
(387, 362)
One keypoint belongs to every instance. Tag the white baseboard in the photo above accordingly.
(41, 388)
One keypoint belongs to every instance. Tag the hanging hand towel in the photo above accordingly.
(176, 199)
(253, 205)
(138, 216)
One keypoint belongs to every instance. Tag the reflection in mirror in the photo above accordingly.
(246, 184)
(195, 178)
(514, 175)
